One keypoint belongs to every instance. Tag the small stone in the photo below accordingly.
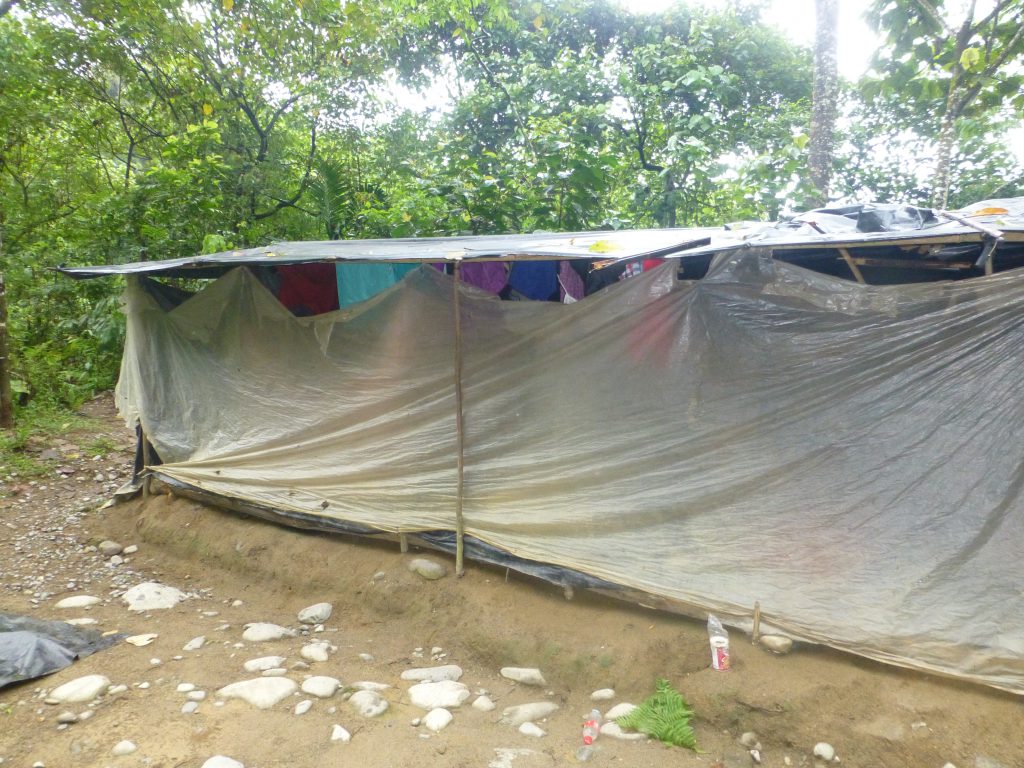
(340, 734)
(366, 657)
(604, 694)
(483, 704)
(367, 685)
(263, 663)
(80, 689)
(123, 748)
(438, 719)
(275, 672)
(196, 696)
(143, 685)
(443, 694)
(436, 650)
(949, 765)
(141, 640)
(109, 548)
(261, 632)
(84, 621)
(750, 740)
(531, 729)
(779, 644)
(152, 596)
(316, 651)
(79, 601)
(619, 710)
(522, 713)
(131, 549)
(303, 707)
(116, 560)
(613, 730)
(986, 762)
(194, 644)
(115, 689)
(433, 674)
(316, 614)
(185, 687)
(321, 686)
(219, 761)
(155, 662)
(189, 707)
(67, 718)
(824, 751)
(263, 692)
(524, 675)
(920, 725)
(368, 703)
(428, 569)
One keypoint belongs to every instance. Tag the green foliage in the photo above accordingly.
(665, 716)
(39, 424)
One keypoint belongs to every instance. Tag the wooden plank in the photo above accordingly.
(460, 528)
(852, 265)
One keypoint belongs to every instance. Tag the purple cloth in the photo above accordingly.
(490, 276)
(570, 281)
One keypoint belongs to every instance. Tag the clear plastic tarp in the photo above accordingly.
(849, 456)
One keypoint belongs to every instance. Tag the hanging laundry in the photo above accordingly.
(359, 282)
(537, 280)
(490, 276)
(570, 282)
(307, 289)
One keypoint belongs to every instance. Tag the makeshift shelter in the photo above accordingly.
(845, 454)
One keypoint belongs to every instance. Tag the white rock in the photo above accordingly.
(438, 719)
(531, 729)
(316, 651)
(261, 631)
(483, 704)
(776, 643)
(303, 707)
(81, 622)
(185, 687)
(141, 640)
(116, 689)
(67, 718)
(369, 685)
(428, 569)
(79, 601)
(109, 548)
(524, 675)
(263, 692)
(80, 689)
(264, 663)
(131, 549)
(444, 694)
(152, 596)
(275, 672)
(366, 657)
(433, 674)
(316, 614)
(195, 643)
(825, 751)
(523, 713)
(949, 765)
(619, 710)
(123, 748)
(321, 686)
(219, 761)
(196, 696)
(614, 731)
(340, 734)
(368, 703)
(605, 694)
(189, 707)
(116, 560)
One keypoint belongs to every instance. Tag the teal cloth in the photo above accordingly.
(359, 282)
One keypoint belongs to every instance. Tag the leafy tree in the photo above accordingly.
(826, 98)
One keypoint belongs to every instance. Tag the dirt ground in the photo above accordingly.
(872, 714)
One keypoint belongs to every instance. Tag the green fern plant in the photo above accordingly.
(665, 716)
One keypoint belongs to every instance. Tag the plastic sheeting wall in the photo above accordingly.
(849, 456)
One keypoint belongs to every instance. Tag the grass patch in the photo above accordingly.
(37, 426)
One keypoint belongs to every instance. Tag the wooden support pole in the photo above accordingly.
(403, 543)
(852, 265)
(755, 635)
(460, 435)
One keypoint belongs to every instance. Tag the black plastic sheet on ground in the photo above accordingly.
(31, 648)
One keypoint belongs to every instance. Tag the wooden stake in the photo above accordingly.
(755, 635)
(460, 436)
(403, 543)
(853, 267)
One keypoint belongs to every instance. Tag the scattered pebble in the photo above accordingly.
(442, 694)
(261, 631)
(316, 651)
(750, 740)
(220, 761)
(131, 549)
(185, 687)
(779, 644)
(524, 675)
(262, 693)
(303, 707)
(316, 614)
(79, 601)
(321, 686)
(824, 751)
(80, 689)
(523, 713)
(189, 707)
(196, 696)
(340, 734)
(605, 694)
(613, 730)
(619, 710)
(532, 729)
(195, 643)
(433, 674)
(109, 548)
(438, 719)
(123, 748)
(483, 703)
(368, 703)
(141, 640)
(152, 596)
(428, 569)
(263, 663)
(67, 718)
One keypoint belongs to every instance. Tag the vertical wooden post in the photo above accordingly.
(6, 401)
(460, 528)
(459, 524)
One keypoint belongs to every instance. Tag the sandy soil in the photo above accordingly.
(872, 714)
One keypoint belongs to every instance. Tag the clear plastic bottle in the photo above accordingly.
(592, 727)
(719, 640)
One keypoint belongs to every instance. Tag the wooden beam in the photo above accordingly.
(852, 265)
(460, 528)
(911, 263)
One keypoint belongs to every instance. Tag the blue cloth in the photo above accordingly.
(536, 280)
(359, 282)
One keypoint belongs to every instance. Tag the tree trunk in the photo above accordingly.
(6, 405)
(947, 137)
(826, 99)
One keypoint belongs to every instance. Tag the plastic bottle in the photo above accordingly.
(719, 639)
(592, 727)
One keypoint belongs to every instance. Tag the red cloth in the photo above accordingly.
(308, 289)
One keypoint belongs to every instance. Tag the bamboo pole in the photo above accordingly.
(852, 265)
(755, 635)
(460, 435)
(6, 401)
